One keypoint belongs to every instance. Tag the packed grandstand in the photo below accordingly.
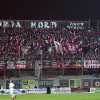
(48, 49)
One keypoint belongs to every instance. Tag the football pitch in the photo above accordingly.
(72, 96)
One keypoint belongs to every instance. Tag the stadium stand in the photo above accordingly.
(49, 53)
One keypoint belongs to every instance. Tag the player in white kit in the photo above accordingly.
(11, 88)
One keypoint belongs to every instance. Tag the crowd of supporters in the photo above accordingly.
(57, 45)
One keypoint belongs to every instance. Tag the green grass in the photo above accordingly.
(73, 96)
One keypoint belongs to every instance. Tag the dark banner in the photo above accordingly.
(75, 25)
(44, 24)
(33, 24)
(86, 83)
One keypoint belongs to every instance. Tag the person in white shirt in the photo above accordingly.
(11, 88)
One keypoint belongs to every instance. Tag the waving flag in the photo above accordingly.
(58, 47)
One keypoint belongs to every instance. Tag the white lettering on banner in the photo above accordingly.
(7, 24)
(43, 25)
(61, 90)
(27, 91)
(18, 24)
(28, 24)
(33, 24)
(75, 25)
(12, 23)
(43, 90)
(40, 25)
(46, 25)
(54, 24)
(91, 64)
